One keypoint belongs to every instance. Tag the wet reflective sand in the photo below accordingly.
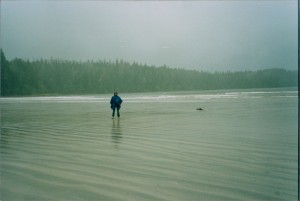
(242, 146)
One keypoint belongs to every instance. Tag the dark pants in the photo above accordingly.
(118, 111)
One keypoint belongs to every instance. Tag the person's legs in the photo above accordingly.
(113, 113)
(118, 111)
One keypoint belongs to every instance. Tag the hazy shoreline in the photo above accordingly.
(156, 92)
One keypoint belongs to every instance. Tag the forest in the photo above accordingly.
(62, 77)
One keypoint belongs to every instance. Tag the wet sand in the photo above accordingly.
(242, 146)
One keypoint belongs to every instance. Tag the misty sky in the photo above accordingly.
(203, 35)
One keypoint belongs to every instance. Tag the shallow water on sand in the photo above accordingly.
(242, 146)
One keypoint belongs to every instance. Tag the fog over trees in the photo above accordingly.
(62, 77)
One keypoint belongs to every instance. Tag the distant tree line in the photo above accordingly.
(47, 77)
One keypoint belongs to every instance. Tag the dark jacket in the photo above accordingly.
(115, 102)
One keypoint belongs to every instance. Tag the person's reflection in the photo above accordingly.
(116, 134)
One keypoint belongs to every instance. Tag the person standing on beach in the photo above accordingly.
(115, 103)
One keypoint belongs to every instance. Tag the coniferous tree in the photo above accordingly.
(45, 77)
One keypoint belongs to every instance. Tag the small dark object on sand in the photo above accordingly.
(199, 108)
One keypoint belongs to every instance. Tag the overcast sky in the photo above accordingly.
(203, 35)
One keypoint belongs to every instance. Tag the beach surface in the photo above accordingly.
(243, 145)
